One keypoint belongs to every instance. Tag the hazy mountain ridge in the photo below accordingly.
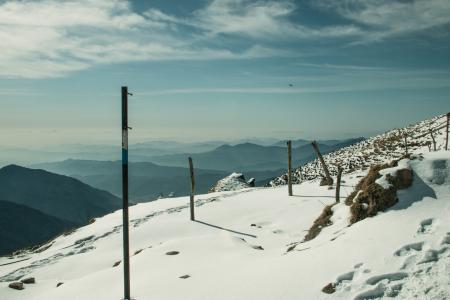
(147, 180)
(248, 156)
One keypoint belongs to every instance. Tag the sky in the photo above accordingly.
(219, 69)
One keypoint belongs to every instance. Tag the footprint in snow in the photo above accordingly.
(409, 248)
(243, 241)
(425, 226)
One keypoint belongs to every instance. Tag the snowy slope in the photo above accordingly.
(379, 149)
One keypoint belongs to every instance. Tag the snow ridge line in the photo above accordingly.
(375, 150)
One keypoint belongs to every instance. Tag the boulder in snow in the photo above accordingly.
(251, 182)
(233, 182)
(16, 285)
(29, 280)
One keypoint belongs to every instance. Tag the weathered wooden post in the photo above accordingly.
(446, 131)
(289, 146)
(406, 143)
(434, 141)
(324, 166)
(125, 218)
(338, 184)
(191, 172)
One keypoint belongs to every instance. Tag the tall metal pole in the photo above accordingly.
(126, 240)
(289, 146)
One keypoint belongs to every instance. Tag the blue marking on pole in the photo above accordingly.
(124, 157)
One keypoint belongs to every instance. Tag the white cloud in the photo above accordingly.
(389, 18)
(50, 38)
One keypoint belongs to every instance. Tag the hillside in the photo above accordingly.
(35, 228)
(59, 196)
(379, 149)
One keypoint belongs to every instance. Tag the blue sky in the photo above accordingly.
(208, 70)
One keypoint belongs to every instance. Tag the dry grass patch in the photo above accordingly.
(322, 221)
(369, 197)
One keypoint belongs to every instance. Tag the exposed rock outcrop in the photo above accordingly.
(233, 182)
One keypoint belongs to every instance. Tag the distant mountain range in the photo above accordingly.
(22, 226)
(251, 157)
(147, 180)
(170, 175)
(302, 142)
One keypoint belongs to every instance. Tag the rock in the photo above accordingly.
(59, 284)
(251, 182)
(329, 289)
(29, 280)
(116, 263)
(233, 182)
(185, 276)
(16, 285)
(172, 253)
(403, 179)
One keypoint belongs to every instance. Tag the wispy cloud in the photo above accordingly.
(51, 38)
(383, 19)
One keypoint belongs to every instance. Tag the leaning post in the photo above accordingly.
(191, 204)
(322, 161)
(289, 146)
(125, 217)
(446, 131)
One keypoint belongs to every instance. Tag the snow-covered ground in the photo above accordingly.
(238, 248)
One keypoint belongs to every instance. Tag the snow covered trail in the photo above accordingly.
(238, 248)
(235, 233)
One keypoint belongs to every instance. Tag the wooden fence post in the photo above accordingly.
(289, 146)
(406, 144)
(324, 166)
(191, 203)
(338, 184)
(434, 141)
(446, 131)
